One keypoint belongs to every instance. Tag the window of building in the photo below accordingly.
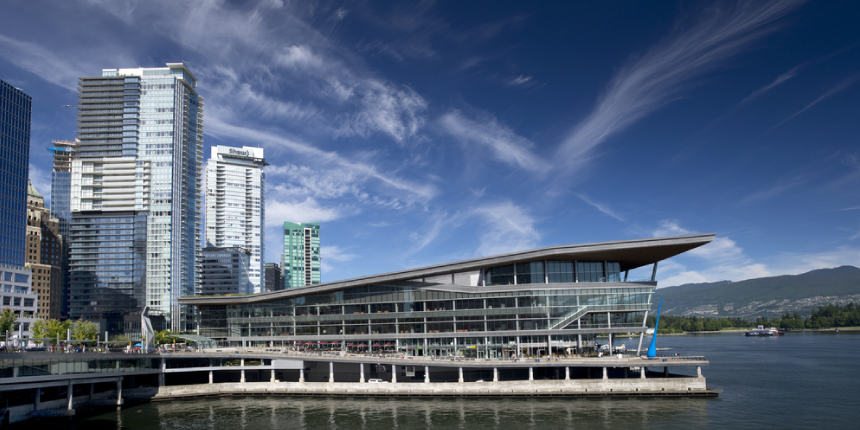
(501, 275)
(560, 272)
(590, 271)
(530, 273)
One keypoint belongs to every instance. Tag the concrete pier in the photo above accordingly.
(673, 387)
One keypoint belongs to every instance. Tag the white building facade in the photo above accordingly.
(17, 295)
(136, 188)
(235, 205)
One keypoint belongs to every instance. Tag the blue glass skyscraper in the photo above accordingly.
(15, 111)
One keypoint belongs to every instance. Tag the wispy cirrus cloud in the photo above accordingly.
(334, 253)
(504, 145)
(836, 89)
(506, 227)
(602, 207)
(661, 75)
(355, 171)
(781, 79)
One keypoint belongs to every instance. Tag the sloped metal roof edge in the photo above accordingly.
(691, 241)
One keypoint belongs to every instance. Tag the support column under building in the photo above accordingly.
(331, 372)
(302, 375)
(642, 372)
(272, 378)
(567, 373)
(211, 377)
(119, 392)
(495, 374)
(531, 374)
(605, 373)
(242, 363)
(38, 398)
(460, 379)
(361, 373)
(698, 371)
(69, 398)
(426, 374)
(92, 390)
(393, 374)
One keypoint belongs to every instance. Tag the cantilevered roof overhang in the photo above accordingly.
(629, 253)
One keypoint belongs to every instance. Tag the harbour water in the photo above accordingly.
(801, 380)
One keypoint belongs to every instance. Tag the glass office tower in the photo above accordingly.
(301, 255)
(15, 111)
(61, 207)
(235, 205)
(136, 193)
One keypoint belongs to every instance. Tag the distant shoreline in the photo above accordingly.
(787, 331)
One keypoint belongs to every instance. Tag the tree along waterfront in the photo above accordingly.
(830, 316)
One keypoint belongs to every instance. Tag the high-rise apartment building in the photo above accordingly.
(273, 277)
(44, 255)
(15, 111)
(136, 193)
(61, 206)
(235, 205)
(301, 265)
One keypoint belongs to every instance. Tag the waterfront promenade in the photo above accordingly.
(36, 384)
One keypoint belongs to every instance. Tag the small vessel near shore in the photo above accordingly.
(761, 331)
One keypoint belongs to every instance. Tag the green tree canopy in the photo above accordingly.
(7, 321)
(84, 330)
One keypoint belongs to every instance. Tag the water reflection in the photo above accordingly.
(415, 413)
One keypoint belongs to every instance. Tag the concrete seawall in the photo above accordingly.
(686, 387)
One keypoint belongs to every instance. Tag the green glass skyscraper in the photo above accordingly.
(301, 263)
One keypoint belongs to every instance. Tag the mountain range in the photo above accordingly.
(771, 296)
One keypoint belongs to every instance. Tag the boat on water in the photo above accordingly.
(761, 331)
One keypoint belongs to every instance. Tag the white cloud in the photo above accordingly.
(670, 228)
(308, 210)
(505, 145)
(41, 179)
(602, 207)
(781, 79)
(336, 254)
(410, 191)
(298, 57)
(519, 80)
(384, 108)
(660, 76)
(505, 228)
(838, 88)
(59, 67)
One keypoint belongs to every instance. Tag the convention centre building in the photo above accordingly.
(558, 301)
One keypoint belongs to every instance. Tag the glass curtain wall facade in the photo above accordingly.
(61, 207)
(225, 271)
(235, 205)
(15, 113)
(420, 318)
(138, 158)
(301, 256)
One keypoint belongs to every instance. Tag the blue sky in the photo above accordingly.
(425, 132)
